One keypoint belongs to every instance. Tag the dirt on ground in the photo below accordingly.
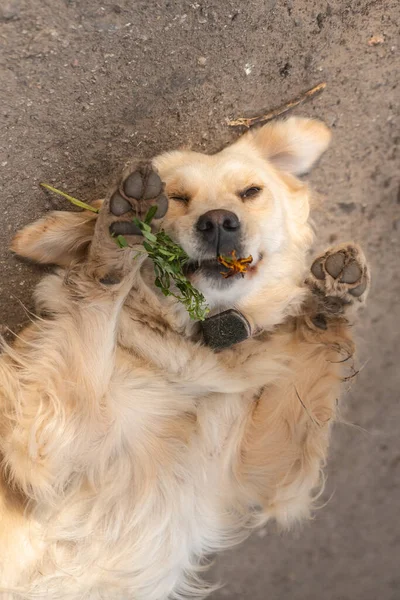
(85, 85)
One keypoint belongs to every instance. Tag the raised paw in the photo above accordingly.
(341, 275)
(137, 191)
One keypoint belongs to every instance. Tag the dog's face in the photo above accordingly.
(239, 201)
(246, 199)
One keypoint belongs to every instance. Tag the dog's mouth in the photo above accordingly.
(212, 268)
(209, 266)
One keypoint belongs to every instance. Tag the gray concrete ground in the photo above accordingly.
(86, 84)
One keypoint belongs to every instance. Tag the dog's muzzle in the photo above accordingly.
(219, 231)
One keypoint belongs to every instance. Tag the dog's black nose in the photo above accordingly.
(219, 229)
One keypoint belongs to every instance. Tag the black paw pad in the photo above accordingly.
(317, 270)
(334, 264)
(142, 187)
(124, 228)
(351, 273)
(145, 187)
(118, 205)
(133, 186)
(153, 187)
(162, 207)
(359, 290)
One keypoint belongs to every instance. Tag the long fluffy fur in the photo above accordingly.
(130, 451)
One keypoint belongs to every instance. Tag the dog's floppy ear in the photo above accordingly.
(292, 145)
(59, 238)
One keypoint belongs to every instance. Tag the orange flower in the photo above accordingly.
(234, 264)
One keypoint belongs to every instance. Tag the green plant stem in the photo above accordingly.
(168, 259)
(70, 198)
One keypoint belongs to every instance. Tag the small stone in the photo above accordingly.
(202, 61)
(376, 40)
(347, 207)
(10, 10)
(248, 68)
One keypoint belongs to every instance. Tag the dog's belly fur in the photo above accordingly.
(142, 458)
(137, 471)
(128, 451)
(155, 497)
(160, 491)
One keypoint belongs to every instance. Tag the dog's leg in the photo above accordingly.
(286, 435)
(54, 381)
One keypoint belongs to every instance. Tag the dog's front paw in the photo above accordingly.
(341, 273)
(116, 232)
(139, 189)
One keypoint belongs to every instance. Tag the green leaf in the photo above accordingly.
(148, 247)
(149, 236)
(121, 241)
(150, 214)
(166, 252)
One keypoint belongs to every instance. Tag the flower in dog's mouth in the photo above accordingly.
(234, 264)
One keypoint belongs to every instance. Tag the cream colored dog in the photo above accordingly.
(130, 448)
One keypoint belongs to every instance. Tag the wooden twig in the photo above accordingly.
(277, 112)
(349, 377)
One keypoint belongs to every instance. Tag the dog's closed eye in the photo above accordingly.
(184, 198)
(250, 192)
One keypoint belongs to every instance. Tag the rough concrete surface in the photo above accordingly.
(86, 85)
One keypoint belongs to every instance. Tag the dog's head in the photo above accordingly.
(245, 199)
